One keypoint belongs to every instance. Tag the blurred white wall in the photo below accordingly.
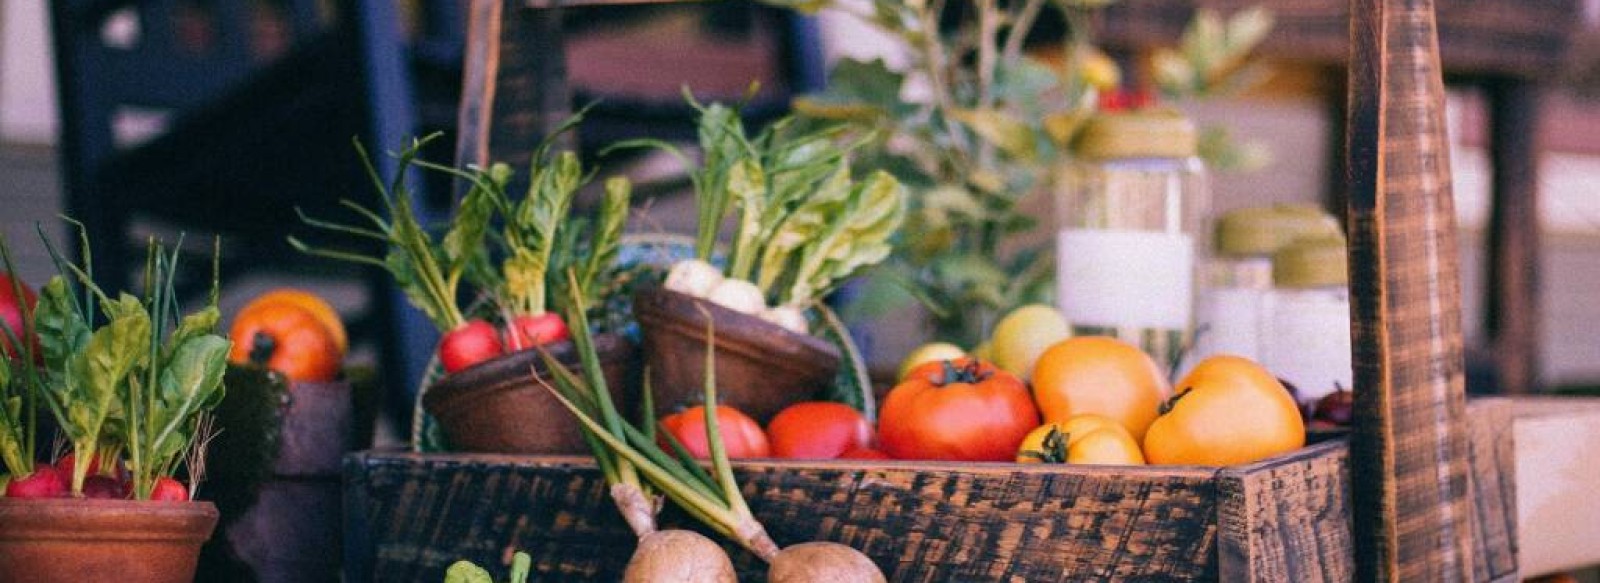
(27, 86)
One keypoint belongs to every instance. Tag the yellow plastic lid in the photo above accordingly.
(1140, 134)
(1316, 261)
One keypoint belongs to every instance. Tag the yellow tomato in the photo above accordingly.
(1228, 410)
(1084, 439)
(1101, 375)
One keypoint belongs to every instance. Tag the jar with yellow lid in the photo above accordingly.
(1308, 336)
(1131, 210)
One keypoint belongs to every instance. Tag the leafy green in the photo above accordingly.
(428, 273)
(466, 572)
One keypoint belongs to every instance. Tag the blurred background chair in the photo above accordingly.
(221, 117)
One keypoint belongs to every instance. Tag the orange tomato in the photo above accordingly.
(963, 410)
(286, 338)
(318, 308)
(1228, 410)
(1100, 375)
(1084, 439)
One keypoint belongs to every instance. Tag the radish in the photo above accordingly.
(169, 490)
(713, 498)
(470, 343)
(738, 295)
(789, 317)
(528, 331)
(104, 488)
(16, 301)
(44, 482)
(693, 277)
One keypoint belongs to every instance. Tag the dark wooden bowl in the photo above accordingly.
(761, 367)
(497, 406)
(127, 541)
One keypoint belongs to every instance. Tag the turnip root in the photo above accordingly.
(789, 317)
(738, 295)
(674, 556)
(693, 277)
(822, 562)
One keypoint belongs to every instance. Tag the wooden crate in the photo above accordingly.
(1283, 519)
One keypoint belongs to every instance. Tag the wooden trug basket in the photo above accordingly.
(1421, 491)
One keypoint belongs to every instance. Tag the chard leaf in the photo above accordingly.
(464, 241)
(192, 377)
(193, 325)
(61, 328)
(607, 239)
(399, 263)
(748, 184)
(97, 372)
(856, 237)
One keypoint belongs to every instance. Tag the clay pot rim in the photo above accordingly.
(106, 520)
(500, 373)
(736, 331)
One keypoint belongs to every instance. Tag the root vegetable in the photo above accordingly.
(674, 556)
(44, 482)
(529, 331)
(693, 277)
(168, 490)
(471, 343)
(738, 295)
(789, 317)
(822, 562)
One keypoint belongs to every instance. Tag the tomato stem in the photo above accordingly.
(262, 346)
(963, 371)
(1167, 405)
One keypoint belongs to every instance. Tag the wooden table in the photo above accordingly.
(1508, 48)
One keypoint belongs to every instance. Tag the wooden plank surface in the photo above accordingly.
(1493, 488)
(415, 514)
(1409, 452)
(1517, 38)
(1287, 519)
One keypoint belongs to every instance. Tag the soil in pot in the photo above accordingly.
(761, 367)
(498, 407)
(127, 541)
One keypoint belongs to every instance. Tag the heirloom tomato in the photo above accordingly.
(818, 430)
(1228, 410)
(960, 409)
(741, 436)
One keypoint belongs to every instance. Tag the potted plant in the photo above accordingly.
(129, 384)
(480, 393)
(803, 225)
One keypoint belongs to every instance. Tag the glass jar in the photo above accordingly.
(1308, 337)
(1237, 284)
(1130, 213)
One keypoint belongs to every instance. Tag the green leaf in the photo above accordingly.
(606, 242)
(61, 328)
(464, 241)
(95, 375)
(466, 572)
(1001, 129)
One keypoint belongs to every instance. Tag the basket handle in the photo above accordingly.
(1409, 456)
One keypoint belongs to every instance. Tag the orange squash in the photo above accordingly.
(286, 338)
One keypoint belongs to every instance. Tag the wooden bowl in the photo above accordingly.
(128, 541)
(761, 367)
(497, 406)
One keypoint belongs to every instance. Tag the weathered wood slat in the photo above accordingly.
(1409, 453)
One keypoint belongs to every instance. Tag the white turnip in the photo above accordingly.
(693, 277)
(822, 562)
(738, 295)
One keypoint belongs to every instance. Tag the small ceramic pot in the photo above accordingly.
(497, 406)
(761, 367)
(128, 541)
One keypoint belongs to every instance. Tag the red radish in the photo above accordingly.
(104, 488)
(169, 490)
(44, 482)
(11, 312)
(864, 453)
(529, 331)
(469, 344)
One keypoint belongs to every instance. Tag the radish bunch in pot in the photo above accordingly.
(640, 473)
(517, 267)
(129, 380)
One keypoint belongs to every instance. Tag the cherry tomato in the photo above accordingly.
(817, 430)
(961, 409)
(526, 332)
(741, 436)
(469, 344)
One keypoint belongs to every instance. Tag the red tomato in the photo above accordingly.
(168, 490)
(286, 338)
(864, 453)
(469, 344)
(11, 314)
(741, 436)
(529, 331)
(962, 409)
(817, 430)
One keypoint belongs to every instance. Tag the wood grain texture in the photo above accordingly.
(1512, 318)
(1287, 519)
(1409, 453)
(1493, 488)
(1517, 38)
(979, 522)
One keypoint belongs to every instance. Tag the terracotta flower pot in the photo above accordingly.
(761, 367)
(498, 407)
(127, 541)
